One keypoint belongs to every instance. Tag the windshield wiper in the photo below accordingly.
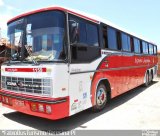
(56, 61)
(30, 54)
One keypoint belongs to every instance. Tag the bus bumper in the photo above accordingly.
(45, 107)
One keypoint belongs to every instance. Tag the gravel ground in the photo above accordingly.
(136, 109)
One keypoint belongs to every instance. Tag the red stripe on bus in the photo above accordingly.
(25, 69)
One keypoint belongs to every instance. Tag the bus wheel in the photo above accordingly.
(146, 80)
(151, 76)
(101, 98)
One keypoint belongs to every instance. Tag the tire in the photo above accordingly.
(101, 98)
(151, 76)
(147, 79)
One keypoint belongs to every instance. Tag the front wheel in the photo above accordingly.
(101, 98)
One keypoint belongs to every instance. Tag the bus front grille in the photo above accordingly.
(37, 86)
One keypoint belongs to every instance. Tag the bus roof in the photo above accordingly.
(81, 14)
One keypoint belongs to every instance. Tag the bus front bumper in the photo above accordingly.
(45, 107)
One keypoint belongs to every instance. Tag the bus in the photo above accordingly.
(63, 61)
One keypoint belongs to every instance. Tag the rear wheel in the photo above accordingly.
(151, 76)
(101, 97)
(146, 79)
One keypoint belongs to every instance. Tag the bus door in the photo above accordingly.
(85, 56)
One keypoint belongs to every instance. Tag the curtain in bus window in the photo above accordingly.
(112, 38)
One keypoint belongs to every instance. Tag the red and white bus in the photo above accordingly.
(63, 62)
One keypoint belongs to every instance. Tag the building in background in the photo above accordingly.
(3, 48)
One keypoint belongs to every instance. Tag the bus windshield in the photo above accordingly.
(42, 33)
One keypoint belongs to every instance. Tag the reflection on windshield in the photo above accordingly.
(44, 35)
(42, 55)
(45, 43)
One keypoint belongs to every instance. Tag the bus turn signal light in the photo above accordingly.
(33, 106)
(7, 100)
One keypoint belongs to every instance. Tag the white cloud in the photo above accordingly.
(6, 14)
(3, 23)
(11, 8)
(4, 19)
(1, 3)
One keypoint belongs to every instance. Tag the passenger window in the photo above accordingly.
(155, 50)
(145, 47)
(137, 48)
(126, 45)
(112, 38)
(151, 49)
(92, 35)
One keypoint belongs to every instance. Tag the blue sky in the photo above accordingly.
(141, 17)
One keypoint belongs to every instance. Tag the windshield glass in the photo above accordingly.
(39, 36)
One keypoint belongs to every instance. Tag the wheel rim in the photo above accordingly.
(101, 96)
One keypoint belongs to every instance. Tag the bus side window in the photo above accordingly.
(77, 31)
(125, 42)
(137, 47)
(112, 38)
(145, 47)
(84, 38)
(150, 49)
(155, 50)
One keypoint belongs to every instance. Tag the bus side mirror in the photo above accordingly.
(74, 31)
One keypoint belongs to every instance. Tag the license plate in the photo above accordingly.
(19, 103)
